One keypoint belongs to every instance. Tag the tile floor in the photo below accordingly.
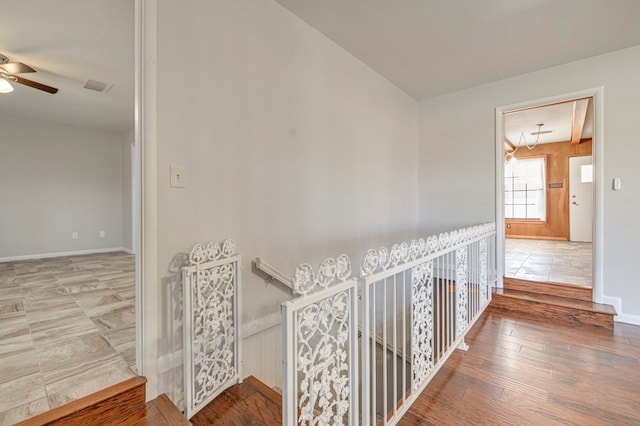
(563, 262)
(67, 329)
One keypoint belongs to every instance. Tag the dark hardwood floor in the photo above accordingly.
(519, 370)
(248, 403)
(523, 371)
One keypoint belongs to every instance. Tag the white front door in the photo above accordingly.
(581, 198)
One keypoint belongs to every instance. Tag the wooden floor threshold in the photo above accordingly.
(97, 408)
(578, 312)
(158, 412)
(555, 289)
(122, 404)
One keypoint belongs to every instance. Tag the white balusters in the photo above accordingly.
(417, 302)
(448, 289)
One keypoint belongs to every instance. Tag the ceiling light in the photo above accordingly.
(544, 132)
(510, 157)
(537, 137)
(5, 86)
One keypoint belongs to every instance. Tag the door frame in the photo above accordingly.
(147, 289)
(598, 178)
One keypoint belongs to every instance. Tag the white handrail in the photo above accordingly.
(273, 273)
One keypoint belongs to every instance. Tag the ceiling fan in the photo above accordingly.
(9, 71)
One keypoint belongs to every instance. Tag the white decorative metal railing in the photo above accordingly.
(211, 341)
(418, 300)
(320, 371)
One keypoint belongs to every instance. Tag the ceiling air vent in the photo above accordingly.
(98, 86)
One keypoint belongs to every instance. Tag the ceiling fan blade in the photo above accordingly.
(16, 68)
(34, 84)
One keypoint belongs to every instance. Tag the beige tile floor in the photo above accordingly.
(563, 262)
(67, 329)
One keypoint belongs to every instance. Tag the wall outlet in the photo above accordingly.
(102, 234)
(74, 235)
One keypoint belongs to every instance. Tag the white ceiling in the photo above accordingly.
(431, 47)
(425, 47)
(557, 118)
(68, 42)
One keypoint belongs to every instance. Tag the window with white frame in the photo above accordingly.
(524, 189)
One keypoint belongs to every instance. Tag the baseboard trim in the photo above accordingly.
(616, 302)
(621, 317)
(259, 325)
(64, 253)
(174, 359)
(628, 319)
(170, 361)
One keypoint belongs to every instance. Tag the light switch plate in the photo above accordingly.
(617, 184)
(178, 176)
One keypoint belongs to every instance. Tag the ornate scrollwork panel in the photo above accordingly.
(202, 253)
(383, 259)
(461, 291)
(422, 327)
(331, 271)
(484, 280)
(322, 361)
(211, 344)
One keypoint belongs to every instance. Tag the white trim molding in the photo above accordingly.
(616, 302)
(64, 253)
(260, 325)
(148, 315)
(628, 319)
(173, 360)
(621, 317)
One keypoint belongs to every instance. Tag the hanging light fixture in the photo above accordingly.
(510, 157)
(5, 86)
(522, 138)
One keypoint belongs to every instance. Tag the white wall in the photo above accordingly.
(292, 147)
(56, 179)
(457, 156)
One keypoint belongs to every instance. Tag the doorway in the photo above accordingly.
(69, 269)
(533, 198)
